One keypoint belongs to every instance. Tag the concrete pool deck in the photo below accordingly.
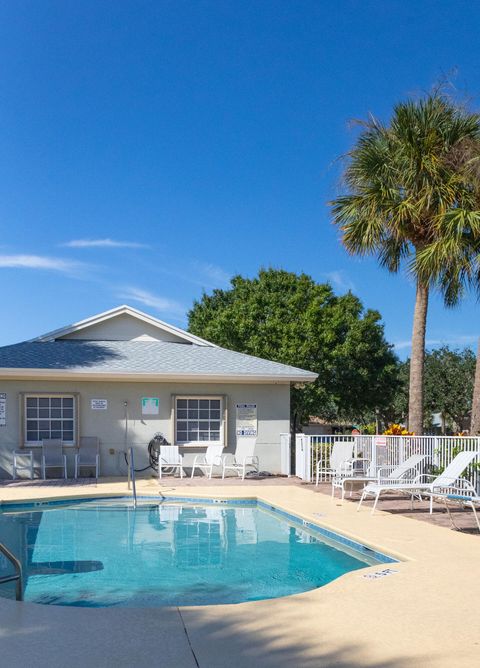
(424, 614)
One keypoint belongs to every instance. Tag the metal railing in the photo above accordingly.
(15, 577)
(385, 451)
(131, 476)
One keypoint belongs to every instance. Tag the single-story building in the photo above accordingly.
(123, 376)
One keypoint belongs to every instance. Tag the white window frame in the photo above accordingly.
(204, 444)
(49, 395)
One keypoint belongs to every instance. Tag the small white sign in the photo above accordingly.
(99, 404)
(3, 409)
(150, 405)
(380, 440)
(246, 424)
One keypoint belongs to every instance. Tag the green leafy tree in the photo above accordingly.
(408, 191)
(449, 377)
(292, 319)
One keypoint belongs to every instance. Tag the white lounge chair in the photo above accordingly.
(53, 457)
(170, 458)
(419, 484)
(88, 455)
(391, 474)
(207, 460)
(341, 457)
(466, 495)
(243, 458)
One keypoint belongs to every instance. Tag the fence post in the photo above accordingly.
(300, 456)
(373, 463)
(307, 440)
(285, 454)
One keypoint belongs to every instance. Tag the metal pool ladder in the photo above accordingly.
(17, 576)
(131, 476)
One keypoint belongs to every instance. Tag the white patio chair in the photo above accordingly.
(419, 485)
(53, 457)
(170, 458)
(340, 460)
(388, 473)
(207, 460)
(243, 458)
(88, 455)
(23, 461)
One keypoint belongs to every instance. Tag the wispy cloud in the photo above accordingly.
(157, 302)
(339, 280)
(103, 243)
(460, 340)
(215, 275)
(41, 262)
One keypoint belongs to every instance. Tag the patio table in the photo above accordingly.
(354, 482)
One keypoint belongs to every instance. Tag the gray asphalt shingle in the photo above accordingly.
(154, 357)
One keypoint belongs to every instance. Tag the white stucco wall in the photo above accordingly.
(273, 401)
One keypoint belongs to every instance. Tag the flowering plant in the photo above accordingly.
(397, 430)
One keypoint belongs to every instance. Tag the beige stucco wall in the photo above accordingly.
(109, 425)
(123, 328)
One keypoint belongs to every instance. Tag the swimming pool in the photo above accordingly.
(99, 553)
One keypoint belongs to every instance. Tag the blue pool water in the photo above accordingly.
(105, 553)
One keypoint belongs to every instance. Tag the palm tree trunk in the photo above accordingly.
(415, 397)
(475, 422)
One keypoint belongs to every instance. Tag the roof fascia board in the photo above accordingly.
(121, 310)
(62, 374)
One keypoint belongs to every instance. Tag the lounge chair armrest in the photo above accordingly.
(384, 469)
(466, 482)
(463, 485)
(250, 459)
(462, 492)
(424, 477)
(228, 457)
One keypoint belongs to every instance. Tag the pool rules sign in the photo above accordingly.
(246, 424)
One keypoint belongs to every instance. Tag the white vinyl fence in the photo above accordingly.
(385, 451)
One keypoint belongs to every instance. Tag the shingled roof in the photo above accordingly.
(182, 356)
(152, 358)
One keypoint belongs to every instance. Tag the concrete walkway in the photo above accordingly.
(424, 614)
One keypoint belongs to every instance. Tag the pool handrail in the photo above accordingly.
(131, 476)
(17, 576)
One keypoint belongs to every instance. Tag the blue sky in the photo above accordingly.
(150, 150)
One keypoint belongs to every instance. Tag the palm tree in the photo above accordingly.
(452, 262)
(404, 184)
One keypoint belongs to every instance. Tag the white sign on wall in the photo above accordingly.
(246, 424)
(99, 404)
(3, 409)
(150, 405)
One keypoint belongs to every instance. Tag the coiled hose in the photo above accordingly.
(153, 452)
